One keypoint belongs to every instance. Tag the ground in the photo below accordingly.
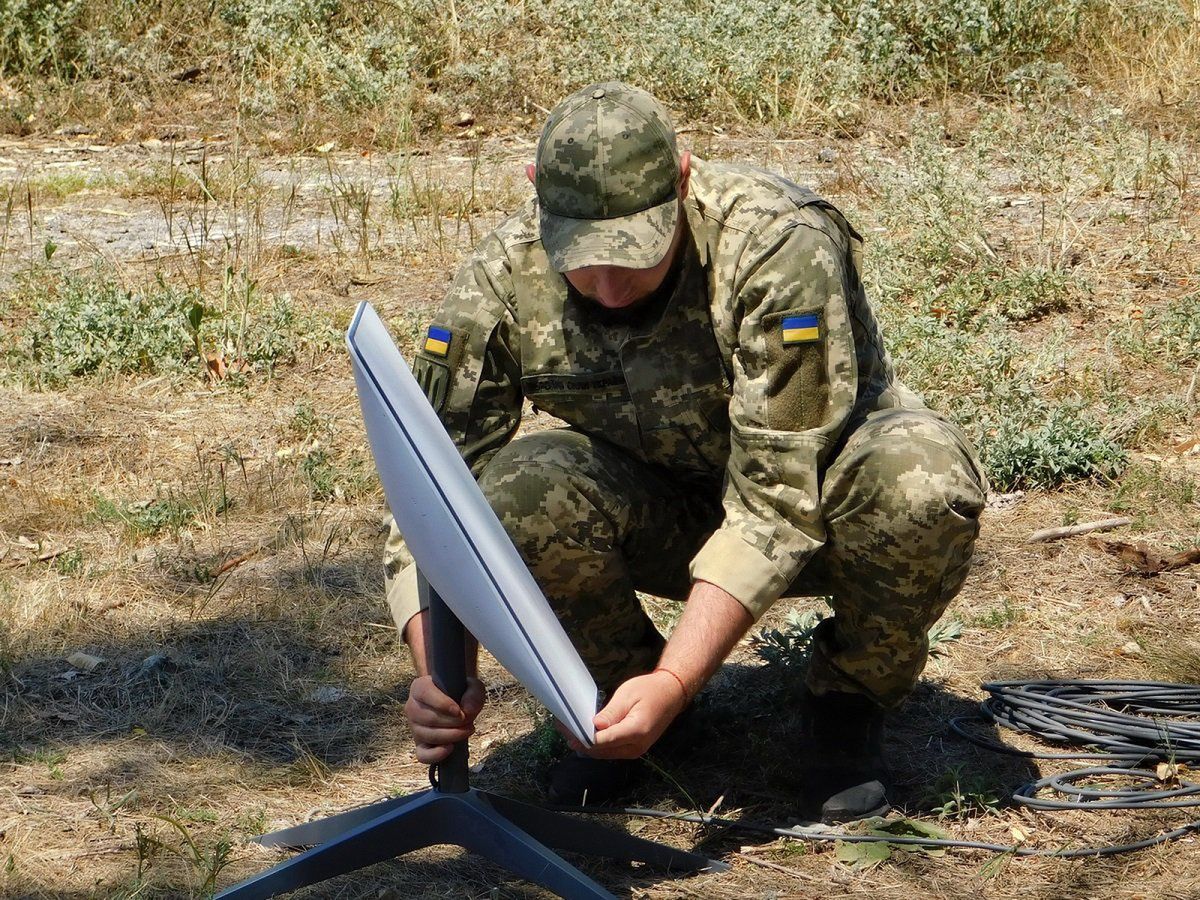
(206, 525)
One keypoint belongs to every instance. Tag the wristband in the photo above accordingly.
(687, 697)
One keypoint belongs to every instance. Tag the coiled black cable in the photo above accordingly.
(1128, 724)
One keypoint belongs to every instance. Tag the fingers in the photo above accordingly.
(437, 722)
(429, 697)
(616, 710)
(474, 698)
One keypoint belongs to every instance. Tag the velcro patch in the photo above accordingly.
(437, 341)
(801, 329)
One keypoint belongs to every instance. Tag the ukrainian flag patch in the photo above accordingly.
(437, 341)
(800, 329)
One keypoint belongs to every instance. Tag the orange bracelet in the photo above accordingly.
(687, 697)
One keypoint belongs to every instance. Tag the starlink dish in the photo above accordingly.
(455, 538)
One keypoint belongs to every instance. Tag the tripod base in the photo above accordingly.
(515, 835)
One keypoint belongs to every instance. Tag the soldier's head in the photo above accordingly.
(610, 185)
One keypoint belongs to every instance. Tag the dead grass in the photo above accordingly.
(210, 717)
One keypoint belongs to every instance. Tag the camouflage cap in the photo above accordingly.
(607, 179)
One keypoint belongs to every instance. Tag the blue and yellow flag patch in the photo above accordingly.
(800, 329)
(437, 341)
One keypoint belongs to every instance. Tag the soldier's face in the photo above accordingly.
(620, 287)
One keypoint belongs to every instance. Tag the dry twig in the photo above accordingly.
(1054, 534)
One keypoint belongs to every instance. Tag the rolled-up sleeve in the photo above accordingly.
(794, 388)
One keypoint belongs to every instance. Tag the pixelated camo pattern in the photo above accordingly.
(688, 386)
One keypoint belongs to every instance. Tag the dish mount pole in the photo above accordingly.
(517, 836)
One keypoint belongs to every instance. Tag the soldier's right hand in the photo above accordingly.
(437, 722)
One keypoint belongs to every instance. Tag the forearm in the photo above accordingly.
(712, 623)
(417, 636)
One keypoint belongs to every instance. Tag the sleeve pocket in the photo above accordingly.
(797, 375)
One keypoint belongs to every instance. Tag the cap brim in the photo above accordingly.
(638, 241)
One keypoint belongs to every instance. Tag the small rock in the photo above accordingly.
(827, 155)
(327, 693)
(85, 662)
(996, 502)
(189, 74)
(156, 662)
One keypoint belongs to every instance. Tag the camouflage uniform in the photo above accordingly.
(743, 427)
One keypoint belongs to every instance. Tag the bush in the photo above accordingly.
(1068, 446)
(87, 327)
(93, 326)
(755, 59)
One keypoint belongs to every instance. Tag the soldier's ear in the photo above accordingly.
(531, 173)
(685, 172)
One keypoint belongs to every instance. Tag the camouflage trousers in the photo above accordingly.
(901, 501)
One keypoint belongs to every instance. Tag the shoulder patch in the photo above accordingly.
(437, 341)
(801, 329)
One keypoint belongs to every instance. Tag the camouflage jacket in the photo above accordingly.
(743, 378)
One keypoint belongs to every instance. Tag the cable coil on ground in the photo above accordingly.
(1127, 724)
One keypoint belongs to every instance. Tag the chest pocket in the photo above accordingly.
(597, 403)
(683, 409)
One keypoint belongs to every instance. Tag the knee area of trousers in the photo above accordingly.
(541, 500)
(924, 482)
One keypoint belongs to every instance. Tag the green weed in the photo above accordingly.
(96, 327)
(1000, 617)
(69, 563)
(959, 797)
(1068, 446)
(144, 518)
(52, 758)
(93, 326)
(328, 478)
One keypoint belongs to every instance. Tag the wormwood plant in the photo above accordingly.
(93, 326)
(789, 649)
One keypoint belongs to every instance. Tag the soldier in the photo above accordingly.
(735, 433)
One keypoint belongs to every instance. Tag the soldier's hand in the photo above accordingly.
(638, 714)
(437, 722)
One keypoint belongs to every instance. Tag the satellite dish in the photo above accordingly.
(458, 543)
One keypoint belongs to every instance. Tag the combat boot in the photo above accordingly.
(845, 775)
(578, 780)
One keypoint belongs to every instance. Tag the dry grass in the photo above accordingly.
(226, 624)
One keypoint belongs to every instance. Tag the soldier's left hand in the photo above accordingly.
(638, 713)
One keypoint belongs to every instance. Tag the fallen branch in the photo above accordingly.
(1146, 561)
(767, 864)
(1054, 534)
(231, 564)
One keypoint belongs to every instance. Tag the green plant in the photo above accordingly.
(1068, 446)
(206, 861)
(788, 649)
(144, 518)
(108, 806)
(327, 480)
(1008, 613)
(957, 797)
(93, 326)
(69, 563)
